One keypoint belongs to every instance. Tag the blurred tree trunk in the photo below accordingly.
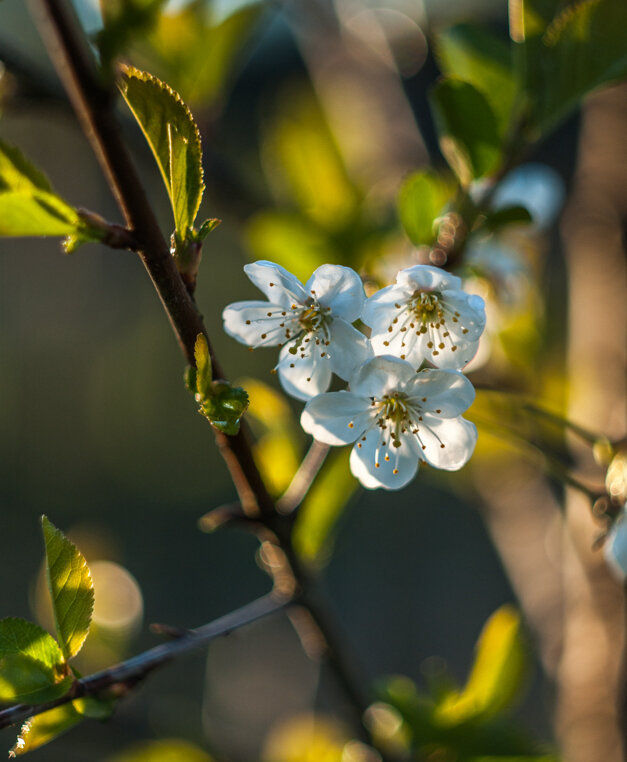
(597, 358)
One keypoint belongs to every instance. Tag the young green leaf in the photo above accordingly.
(71, 589)
(421, 200)
(483, 59)
(204, 375)
(173, 137)
(43, 728)
(28, 205)
(467, 129)
(224, 406)
(32, 667)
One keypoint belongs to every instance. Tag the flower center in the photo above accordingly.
(393, 415)
(425, 305)
(312, 318)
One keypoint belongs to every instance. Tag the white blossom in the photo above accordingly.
(396, 417)
(311, 324)
(426, 316)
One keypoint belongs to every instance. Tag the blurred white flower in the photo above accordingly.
(311, 324)
(615, 548)
(396, 417)
(426, 316)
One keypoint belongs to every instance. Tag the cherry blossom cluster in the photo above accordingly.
(398, 409)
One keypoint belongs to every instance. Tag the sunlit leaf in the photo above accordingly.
(45, 727)
(71, 589)
(32, 667)
(28, 205)
(467, 129)
(497, 674)
(477, 56)
(291, 241)
(323, 508)
(166, 750)
(421, 200)
(566, 56)
(173, 137)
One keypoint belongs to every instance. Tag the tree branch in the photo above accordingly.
(124, 676)
(303, 478)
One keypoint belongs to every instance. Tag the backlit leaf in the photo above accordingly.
(174, 139)
(166, 750)
(45, 727)
(421, 200)
(32, 667)
(467, 129)
(71, 589)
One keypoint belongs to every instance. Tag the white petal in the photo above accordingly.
(367, 454)
(471, 308)
(379, 310)
(249, 323)
(327, 417)
(339, 288)
(279, 285)
(309, 376)
(448, 392)
(458, 436)
(407, 345)
(349, 348)
(429, 278)
(380, 376)
(447, 358)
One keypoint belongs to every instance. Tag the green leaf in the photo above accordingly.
(508, 215)
(95, 708)
(167, 750)
(467, 129)
(421, 200)
(124, 21)
(482, 59)
(496, 676)
(224, 406)
(71, 589)
(566, 56)
(322, 509)
(204, 375)
(173, 137)
(32, 667)
(45, 727)
(28, 205)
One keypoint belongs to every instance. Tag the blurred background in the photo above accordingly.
(312, 115)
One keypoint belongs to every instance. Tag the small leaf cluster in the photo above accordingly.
(220, 402)
(35, 667)
(468, 724)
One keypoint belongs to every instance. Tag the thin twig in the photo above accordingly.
(303, 478)
(128, 673)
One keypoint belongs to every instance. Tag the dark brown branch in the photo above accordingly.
(122, 677)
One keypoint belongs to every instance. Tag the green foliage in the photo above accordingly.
(28, 205)
(508, 215)
(421, 200)
(173, 137)
(485, 61)
(196, 53)
(565, 52)
(32, 668)
(222, 404)
(467, 127)
(45, 727)
(323, 507)
(71, 589)
(124, 21)
(470, 723)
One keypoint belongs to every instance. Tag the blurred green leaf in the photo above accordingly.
(167, 750)
(32, 667)
(71, 589)
(289, 240)
(124, 20)
(173, 137)
(497, 674)
(204, 375)
(485, 61)
(467, 129)
(508, 215)
(304, 164)
(196, 54)
(28, 205)
(563, 57)
(45, 727)
(95, 708)
(421, 200)
(323, 508)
